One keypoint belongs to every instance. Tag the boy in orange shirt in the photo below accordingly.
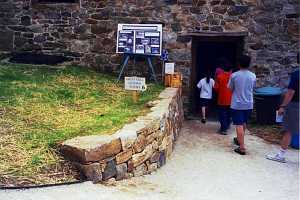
(224, 98)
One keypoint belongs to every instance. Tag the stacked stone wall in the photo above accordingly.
(86, 31)
(137, 149)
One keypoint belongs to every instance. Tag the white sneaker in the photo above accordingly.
(276, 158)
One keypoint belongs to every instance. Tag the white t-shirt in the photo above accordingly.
(206, 88)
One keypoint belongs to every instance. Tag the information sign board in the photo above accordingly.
(145, 39)
(135, 83)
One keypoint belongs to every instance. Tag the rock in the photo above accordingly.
(155, 145)
(215, 2)
(140, 170)
(176, 27)
(79, 46)
(40, 38)
(110, 182)
(121, 171)
(237, 10)
(228, 3)
(220, 9)
(162, 159)
(26, 20)
(151, 167)
(288, 9)
(20, 41)
(155, 157)
(139, 158)
(257, 46)
(101, 28)
(163, 144)
(150, 139)
(139, 144)
(183, 38)
(82, 28)
(217, 28)
(130, 166)
(6, 40)
(36, 28)
(169, 148)
(293, 29)
(91, 148)
(124, 156)
(93, 172)
(110, 170)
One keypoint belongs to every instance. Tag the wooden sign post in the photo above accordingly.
(135, 84)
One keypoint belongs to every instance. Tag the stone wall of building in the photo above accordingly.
(138, 148)
(86, 31)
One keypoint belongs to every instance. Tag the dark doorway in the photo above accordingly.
(207, 51)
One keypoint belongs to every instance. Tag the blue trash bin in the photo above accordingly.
(267, 101)
(295, 141)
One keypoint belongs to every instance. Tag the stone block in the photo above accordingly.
(26, 20)
(110, 170)
(121, 171)
(93, 172)
(228, 2)
(151, 167)
(220, 9)
(130, 166)
(127, 138)
(162, 159)
(139, 158)
(155, 157)
(139, 144)
(150, 138)
(91, 148)
(6, 40)
(164, 143)
(124, 156)
(140, 170)
(169, 149)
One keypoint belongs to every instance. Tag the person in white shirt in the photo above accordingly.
(205, 86)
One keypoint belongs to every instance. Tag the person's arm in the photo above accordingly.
(287, 99)
(199, 85)
(290, 94)
(230, 84)
(217, 85)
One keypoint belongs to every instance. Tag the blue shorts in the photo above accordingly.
(240, 117)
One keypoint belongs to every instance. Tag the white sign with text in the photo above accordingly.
(135, 83)
(169, 68)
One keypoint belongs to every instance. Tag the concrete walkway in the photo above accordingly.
(202, 167)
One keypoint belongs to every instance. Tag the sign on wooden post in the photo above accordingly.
(135, 84)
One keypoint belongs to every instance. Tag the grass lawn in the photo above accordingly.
(41, 106)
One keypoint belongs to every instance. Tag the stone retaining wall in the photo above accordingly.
(138, 148)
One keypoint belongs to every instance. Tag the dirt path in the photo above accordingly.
(202, 167)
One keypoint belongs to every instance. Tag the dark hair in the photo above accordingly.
(207, 76)
(224, 63)
(244, 61)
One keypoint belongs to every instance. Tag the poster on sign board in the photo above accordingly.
(145, 39)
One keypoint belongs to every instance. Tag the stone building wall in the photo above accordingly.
(86, 31)
(138, 148)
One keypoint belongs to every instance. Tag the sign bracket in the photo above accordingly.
(125, 63)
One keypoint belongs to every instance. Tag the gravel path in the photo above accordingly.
(202, 167)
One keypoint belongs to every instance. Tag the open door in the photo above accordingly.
(207, 51)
